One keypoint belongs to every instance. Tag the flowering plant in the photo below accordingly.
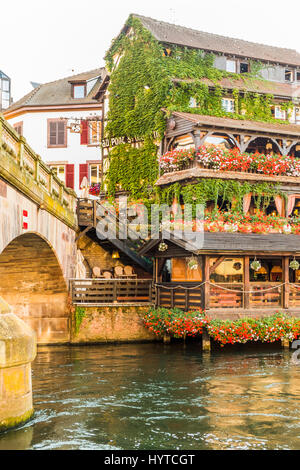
(234, 160)
(95, 189)
(180, 324)
(176, 159)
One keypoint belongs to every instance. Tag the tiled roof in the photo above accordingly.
(280, 128)
(174, 34)
(59, 92)
(286, 90)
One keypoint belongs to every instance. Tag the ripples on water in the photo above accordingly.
(161, 397)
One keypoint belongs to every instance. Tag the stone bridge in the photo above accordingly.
(37, 238)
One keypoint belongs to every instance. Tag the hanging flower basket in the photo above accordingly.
(294, 265)
(192, 264)
(255, 265)
(162, 246)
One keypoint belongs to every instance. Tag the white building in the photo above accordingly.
(61, 121)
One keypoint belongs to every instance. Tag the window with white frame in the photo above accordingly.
(193, 102)
(95, 173)
(230, 66)
(228, 105)
(279, 113)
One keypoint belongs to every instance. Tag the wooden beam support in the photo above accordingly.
(206, 279)
(216, 264)
(247, 281)
(89, 227)
(286, 287)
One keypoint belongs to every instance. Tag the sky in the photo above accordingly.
(44, 40)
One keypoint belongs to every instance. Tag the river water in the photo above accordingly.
(155, 396)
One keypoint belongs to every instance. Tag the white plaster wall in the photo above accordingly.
(35, 131)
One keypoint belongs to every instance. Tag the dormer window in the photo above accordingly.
(79, 90)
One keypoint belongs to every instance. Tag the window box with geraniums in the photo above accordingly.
(176, 160)
(219, 159)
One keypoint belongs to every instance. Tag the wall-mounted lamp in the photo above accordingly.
(115, 255)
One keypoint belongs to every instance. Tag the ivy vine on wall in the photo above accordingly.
(142, 85)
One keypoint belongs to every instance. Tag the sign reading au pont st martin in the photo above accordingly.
(114, 141)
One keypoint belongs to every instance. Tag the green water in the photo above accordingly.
(161, 397)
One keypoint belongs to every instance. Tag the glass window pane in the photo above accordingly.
(229, 271)
(79, 91)
(5, 85)
(231, 66)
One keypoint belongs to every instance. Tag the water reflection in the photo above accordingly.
(161, 397)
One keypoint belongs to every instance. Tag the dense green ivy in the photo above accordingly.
(142, 84)
(228, 194)
(133, 169)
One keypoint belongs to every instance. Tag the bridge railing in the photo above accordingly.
(32, 165)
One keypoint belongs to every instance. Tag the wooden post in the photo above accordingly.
(247, 282)
(167, 339)
(206, 279)
(286, 279)
(205, 341)
(285, 344)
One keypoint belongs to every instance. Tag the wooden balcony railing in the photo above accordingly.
(265, 295)
(111, 291)
(226, 296)
(172, 295)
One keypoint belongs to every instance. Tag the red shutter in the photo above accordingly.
(84, 133)
(83, 171)
(70, 176)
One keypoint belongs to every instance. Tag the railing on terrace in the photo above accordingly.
(192, 295)
(111, 291)
(31, 164)
(185, 295)
(198, 163)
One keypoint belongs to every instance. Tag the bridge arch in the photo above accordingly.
(32, 282)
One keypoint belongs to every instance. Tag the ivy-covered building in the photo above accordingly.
(194, 117)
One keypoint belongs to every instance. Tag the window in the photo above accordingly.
(229, 270)
(297, 115)
(298, 76)
(18, 127)
(79, 91)
(180, 270)
(279, 113)
(95, 173)
(230, 66)
(193, 103)
(244, 67)
(228, 105)
(94, 132)
(57, 133)
(4, 91)
(288, 75)
(59, 171)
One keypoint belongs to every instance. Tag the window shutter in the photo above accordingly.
(57, 133)
(52, 129)
(84, 133)
(70, 176)
(83, 171)
(61, 133)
